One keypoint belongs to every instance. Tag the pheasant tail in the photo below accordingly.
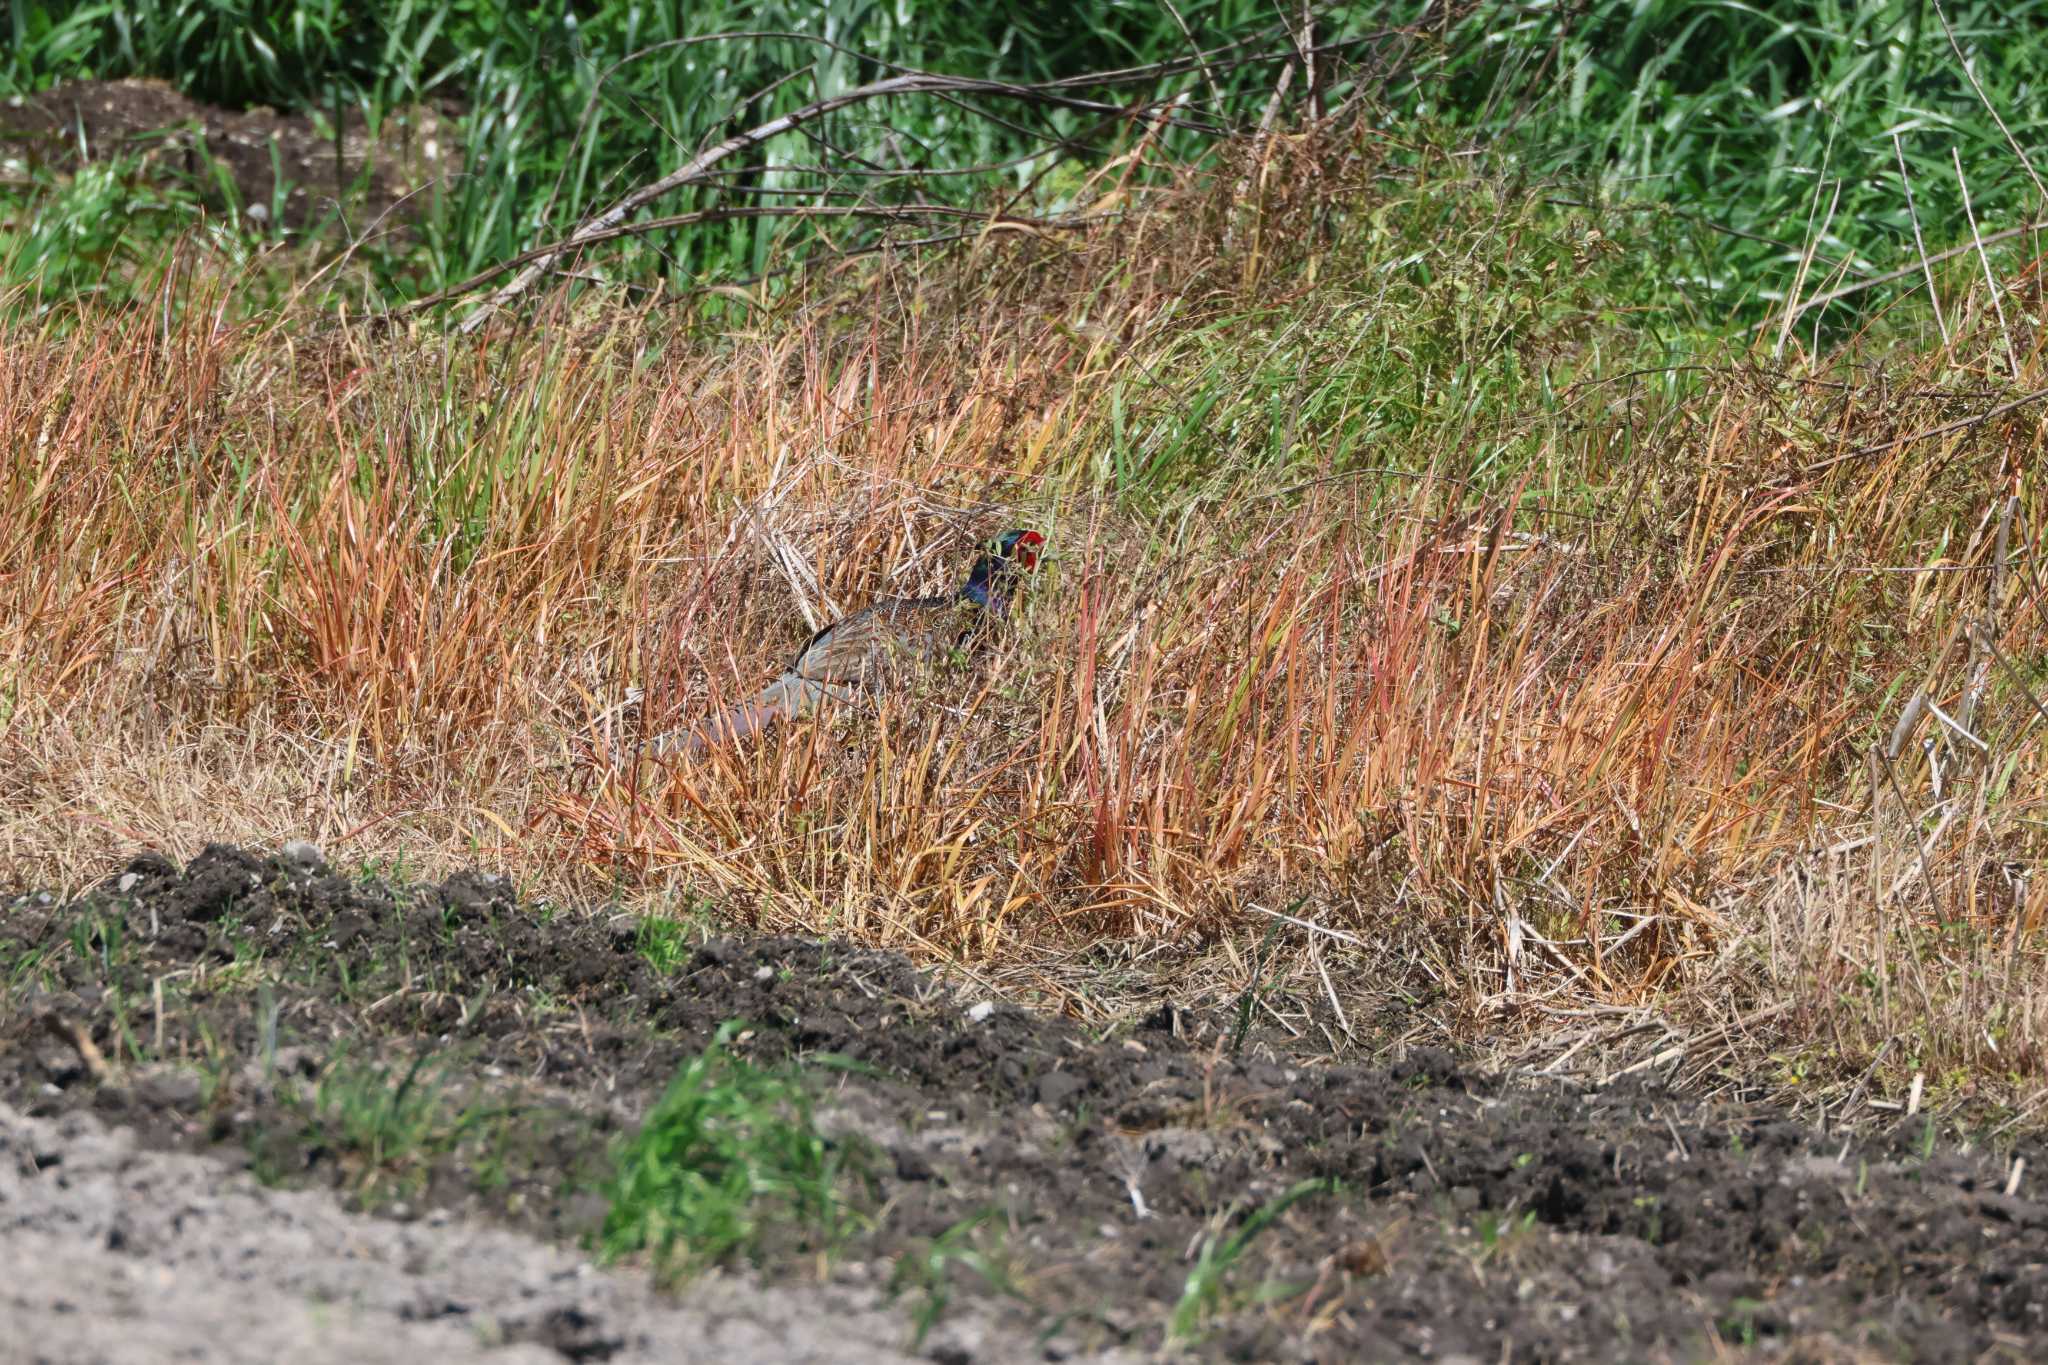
(788, 697)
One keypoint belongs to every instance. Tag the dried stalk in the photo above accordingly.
(2012, 356)
(1920, 243)
(1987, 625)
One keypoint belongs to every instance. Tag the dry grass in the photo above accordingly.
(1382, 594)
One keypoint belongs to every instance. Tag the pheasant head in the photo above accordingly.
(995, 573)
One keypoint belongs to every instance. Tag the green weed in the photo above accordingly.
(728, 1160)
(928, 1273)
(566, 105)
(1203, 1291)
(1760, 139)
(105, 232)
(389, 1126)
(663, 943)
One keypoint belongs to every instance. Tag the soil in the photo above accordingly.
(180, 1165)
(331, 173)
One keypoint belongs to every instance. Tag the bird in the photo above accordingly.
(863, 650)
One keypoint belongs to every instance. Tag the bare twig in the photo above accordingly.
(1960, 424)
(2017, 678)
(72, 1032)
(1908, 719)
(898, 212)
(605, 223)
(840, 256)
(738, 35)
(1792, 309)
(1311, 926)
(1215, 90)
(1987, 626)
(1924, 854)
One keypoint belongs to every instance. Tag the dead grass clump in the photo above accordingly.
(1381, 592)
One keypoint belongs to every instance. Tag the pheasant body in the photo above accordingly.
(869, 648)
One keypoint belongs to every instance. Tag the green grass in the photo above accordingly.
(387, 1125)
(728, 1163)
(395, 1130)
(663, 943)
(1203, 1291)
(1757, 141)
(1756, 132)
(1453, 316)
(384, 1124)
(975, 1246)
(566, 106)
(104, 233)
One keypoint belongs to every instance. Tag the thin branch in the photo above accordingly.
(1990, 282)
(1792, 311)
(1196, 49)
(899, 213)
(601, 226)
(1944, 429)
(841, 256)
(1979, 671)
(852, 172)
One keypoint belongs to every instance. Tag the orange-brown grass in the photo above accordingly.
(1608, 722)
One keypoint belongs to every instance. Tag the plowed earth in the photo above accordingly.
(179, 1178)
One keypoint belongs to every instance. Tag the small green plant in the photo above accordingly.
(1499, 1231)
(1248, 998)
(664, 943)
(1653, 1231)
(97, 938)
(1739, 1326)
(928, 1273)
(244, 967)
(104, 231)
(390, 1126)
(729, 1156)
(1205, 1281)
(27, 965)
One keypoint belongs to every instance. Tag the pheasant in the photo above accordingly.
(864, 649)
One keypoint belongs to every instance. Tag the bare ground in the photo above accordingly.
(1036, 1189)
(119, 1254)
(311, 169)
